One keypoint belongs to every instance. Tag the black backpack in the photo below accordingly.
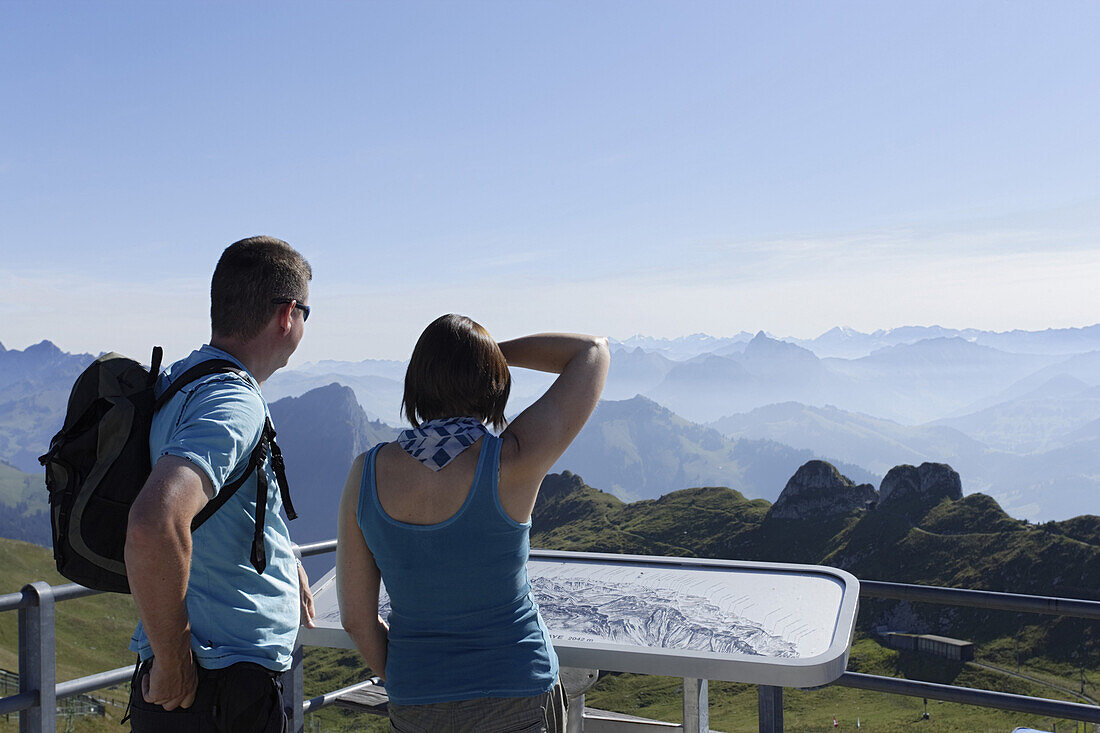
(99, 461)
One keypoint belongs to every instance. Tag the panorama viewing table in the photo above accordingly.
(771, 624)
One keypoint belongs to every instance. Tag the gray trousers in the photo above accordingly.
(543, 713)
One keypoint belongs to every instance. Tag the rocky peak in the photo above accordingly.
(926, 484)
(817, 489)
(44, 348)
(556, 485)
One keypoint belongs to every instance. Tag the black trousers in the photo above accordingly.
(241, 698)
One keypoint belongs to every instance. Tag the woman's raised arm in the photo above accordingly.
(541, 433)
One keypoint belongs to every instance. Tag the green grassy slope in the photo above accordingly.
(92, 633)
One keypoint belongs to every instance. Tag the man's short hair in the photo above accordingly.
(456, 370)
(250, 274)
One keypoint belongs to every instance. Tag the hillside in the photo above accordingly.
(320, 433)
(24, 506)
(637, 449)
(919, 529)
(1044, 418)
(874, 443)
(92, 633)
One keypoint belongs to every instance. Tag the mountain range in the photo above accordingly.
(1016, 412)
(34, 389)
(849, 343)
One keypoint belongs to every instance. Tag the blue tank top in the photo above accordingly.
(463, 622)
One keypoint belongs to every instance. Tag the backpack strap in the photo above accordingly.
(256, 459)
(200, 370)
(258, 554)
(280, 470)
(154, 365)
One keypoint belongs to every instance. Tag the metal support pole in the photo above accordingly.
(769, 707)
(574, 717)
(696, 706)
(294, 689)
(576, 682)
(37, 674)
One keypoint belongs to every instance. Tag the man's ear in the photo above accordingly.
(283, 317)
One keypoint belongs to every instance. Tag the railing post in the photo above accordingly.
(769, 707)
(576, 682)
(696, 706)
(294, 688)
(36, 659)
(574, 717)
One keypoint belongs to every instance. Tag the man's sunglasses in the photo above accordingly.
(299, 306)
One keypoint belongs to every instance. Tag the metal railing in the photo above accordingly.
(39, 690)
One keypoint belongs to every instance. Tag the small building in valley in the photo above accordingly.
(940, 646)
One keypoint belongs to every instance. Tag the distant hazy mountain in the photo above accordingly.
(708, 386)
(1051, 484)
(34, 389)
(848, 343)
(637, 449)
(929, 379)
(379, 396)
(37, 362)
(1082, 367)
(872, 442)
(320, 433)
(1042, 419)
(387, 368)
(635, 371)
(685, 347)
(912, 383)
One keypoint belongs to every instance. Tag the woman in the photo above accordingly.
(443, 516)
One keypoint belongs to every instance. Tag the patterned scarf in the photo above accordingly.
(438, 442)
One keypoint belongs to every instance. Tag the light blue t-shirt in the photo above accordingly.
(237, 614)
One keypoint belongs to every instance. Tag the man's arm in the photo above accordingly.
(158, 564)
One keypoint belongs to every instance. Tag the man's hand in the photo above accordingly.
(171, 685)
(306, 597)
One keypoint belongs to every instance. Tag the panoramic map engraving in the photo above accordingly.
(631, 613)
(785, 615)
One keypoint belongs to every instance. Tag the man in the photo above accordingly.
(215, 634)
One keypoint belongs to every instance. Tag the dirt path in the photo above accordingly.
(1036, 680)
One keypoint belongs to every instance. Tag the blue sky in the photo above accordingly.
(612, 167)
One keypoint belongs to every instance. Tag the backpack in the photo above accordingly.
(99, 461)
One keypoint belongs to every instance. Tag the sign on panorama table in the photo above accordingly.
(766, 623)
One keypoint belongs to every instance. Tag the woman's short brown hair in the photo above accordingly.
(456, 370)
